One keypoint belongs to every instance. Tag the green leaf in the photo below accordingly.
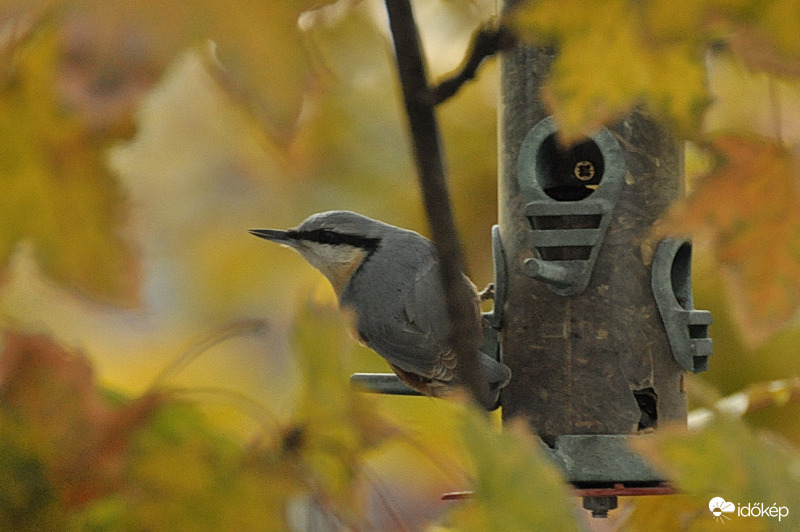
(726, 459)
(28, 500)
(516, 486)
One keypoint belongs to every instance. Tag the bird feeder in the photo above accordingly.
(597, 322)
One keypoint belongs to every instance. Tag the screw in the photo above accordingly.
(584, 170)
(599, 506)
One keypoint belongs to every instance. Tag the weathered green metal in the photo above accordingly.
(593, 360)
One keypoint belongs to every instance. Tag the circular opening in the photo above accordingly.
(569, 174)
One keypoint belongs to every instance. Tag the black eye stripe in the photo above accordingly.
(327, 236)
(324, 236)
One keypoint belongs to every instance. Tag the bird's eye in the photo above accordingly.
(326, 237)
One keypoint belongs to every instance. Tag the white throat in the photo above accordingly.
(337, 262)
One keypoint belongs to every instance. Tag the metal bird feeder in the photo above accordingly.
(597, 327)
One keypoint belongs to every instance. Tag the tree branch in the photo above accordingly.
(430, 168)
(487, 41)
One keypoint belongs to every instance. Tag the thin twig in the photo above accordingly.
(373, 480)
(430, 167)
(239, 328)
(775, 104)
(486, 42)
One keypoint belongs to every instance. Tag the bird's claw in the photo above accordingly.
(487, 293)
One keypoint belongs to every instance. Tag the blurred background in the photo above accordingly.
(143, 253)
(135, 155)
(195, 168)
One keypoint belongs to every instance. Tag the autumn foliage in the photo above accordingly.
(162, 370)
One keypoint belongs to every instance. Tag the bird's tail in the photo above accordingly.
(496, 374)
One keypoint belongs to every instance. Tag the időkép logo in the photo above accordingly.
(723, 510)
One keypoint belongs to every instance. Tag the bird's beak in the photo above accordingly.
(275, 235)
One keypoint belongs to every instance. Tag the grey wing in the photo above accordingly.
(415, 338)
(426, 315)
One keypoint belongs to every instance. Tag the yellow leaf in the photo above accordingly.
(725, 460)
(257, 49)
(56, 190)
(516, 486)
(749, 207)
(334, 426)
(615, 54)
(608, 61)
(682, 512)
(751, 101)
(183, 474)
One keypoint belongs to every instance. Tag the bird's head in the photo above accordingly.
(334, 242)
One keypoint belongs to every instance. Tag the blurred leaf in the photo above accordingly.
(683, 512)
(260, 48)
(725, 459)
(516, 486)
(263, 57)
(28, 500)
(621, 53)
(72, 435)
(353, 134)
(750, 208)
(117, 49)
(771, 42)
(72, 455)
(334, 426)
(752, 101)
(57, 192)
(182, 474)
(609, 62)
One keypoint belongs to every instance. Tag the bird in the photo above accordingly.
(388, 277)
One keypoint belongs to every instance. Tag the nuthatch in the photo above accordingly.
(389, 277)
